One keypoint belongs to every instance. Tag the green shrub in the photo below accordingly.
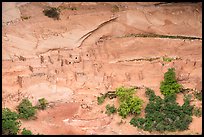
(138, 122)
(42, 103)
(124, 93)
(187, 108)
(149, 92)
(52, 12)
(109, 94)
(164, 114)
(124, 109)
(197, 112)
(26, 109)
(167, 59)
(170, 86)
(135, 104)
(101, 99)
(198, 95)
(10, 125)
(110, 109)
(26, 132)
(128, 103)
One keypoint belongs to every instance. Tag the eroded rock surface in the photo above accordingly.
(72, 60)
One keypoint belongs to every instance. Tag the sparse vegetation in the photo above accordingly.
(161, 36)
(26, 132)
(42, 103)
(121, 122)
(10, 124)
(167, 59)
(170, 86)
(141, 59)
(52, 12)
(185, 90)
(26, 109)
(25, 17)
(198, 95)
(110, 109)
(109, 94)
(115, 8)
(68, 8)
(72, 8)
(101, 99)
(197, 111)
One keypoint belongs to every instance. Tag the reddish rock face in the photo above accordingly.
(87, 52)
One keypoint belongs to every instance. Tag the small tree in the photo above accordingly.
(42, 103)
(128, 103)
(164, 114)
(10, 125)
(170, 86)
(123, 109)
(124, 93)
(26, 109)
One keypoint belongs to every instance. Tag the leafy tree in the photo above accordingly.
(10, 125)
(170, 86)
(10, 122)
(138, 122)
(124, 109)
(26, 109)
(135, 104)
(128, 103)
(124, 93)
(164, 114)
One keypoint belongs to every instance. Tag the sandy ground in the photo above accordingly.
(72, 60)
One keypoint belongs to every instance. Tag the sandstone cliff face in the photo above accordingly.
(72, 60)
